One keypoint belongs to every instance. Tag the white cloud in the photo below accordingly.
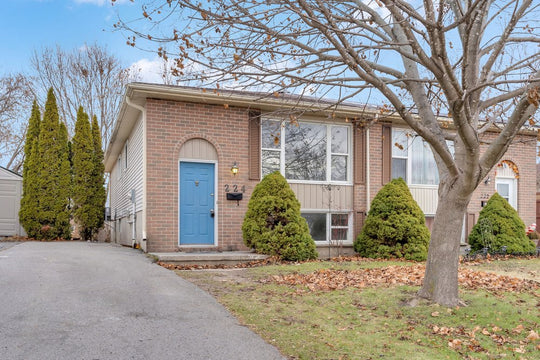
(151, 71)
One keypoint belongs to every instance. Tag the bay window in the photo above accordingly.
(306, 151)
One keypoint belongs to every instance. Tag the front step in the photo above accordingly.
(208, 258)
(239, 257)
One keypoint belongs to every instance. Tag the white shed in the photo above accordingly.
(10, 200)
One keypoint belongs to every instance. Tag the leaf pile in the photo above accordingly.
(463, 339)
(331, 279)
(271, 260)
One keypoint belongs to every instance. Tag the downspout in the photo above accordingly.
(143, 112)
(134, 221)
(368, 175)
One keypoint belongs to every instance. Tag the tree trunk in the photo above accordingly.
(441, 277)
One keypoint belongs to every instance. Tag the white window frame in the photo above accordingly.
(407, 172)
(412, 137)
(329, 226)
(329, 152)
(512, 189)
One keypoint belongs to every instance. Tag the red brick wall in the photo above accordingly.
(169, 125)
(522, 152)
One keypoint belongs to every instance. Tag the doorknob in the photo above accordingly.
(211, 212)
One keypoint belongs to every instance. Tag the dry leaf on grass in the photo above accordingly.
(330, 279)
(533, 336)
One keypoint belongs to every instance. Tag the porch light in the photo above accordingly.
(234, 169)
(487, 181)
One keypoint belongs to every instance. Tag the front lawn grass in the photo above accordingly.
(521, 268)
(375, 322)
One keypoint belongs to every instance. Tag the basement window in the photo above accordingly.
(328, 227)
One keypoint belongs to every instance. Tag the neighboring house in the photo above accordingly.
(173, 150)
(10, 203)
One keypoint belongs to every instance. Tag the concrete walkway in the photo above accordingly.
(76, 300)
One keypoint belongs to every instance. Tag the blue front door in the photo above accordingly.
(196, 203)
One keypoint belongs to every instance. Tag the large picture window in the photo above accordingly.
(306, 151)
(413, 160)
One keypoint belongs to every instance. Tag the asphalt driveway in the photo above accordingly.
(77, 300)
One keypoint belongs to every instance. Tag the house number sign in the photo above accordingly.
(235, 188)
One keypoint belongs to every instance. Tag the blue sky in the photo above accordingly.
(28, 25)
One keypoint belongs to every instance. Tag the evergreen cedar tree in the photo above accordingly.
(56, 172)
(29, 200)
(500, 225)
(273, 224)
(395, 226)
(83, 167)
(48, 171)
(64, 185)
(98, 177)
(88, 182)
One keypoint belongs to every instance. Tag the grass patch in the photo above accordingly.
(374, 322)
(520, 268)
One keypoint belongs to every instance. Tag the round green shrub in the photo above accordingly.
(500, 225)
(273, 224)
(395, 226)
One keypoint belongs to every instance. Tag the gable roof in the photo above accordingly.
(136, 93)
(134, 101)
(8, 174)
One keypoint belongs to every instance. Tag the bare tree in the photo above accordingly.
(90, 77)
(477, 60)
(16, 96)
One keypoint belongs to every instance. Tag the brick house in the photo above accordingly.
(173, 151)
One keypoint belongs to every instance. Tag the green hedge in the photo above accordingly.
(500, 225)
(395, 226)
(273, 224)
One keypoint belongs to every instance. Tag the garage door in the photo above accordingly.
(9, 207)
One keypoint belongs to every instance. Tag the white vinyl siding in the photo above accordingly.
(314, 196)
(124, 179)
(10, 199)
(426, 197)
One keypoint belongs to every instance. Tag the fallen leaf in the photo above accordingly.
(435, 314)
(533, 335)
(455, 344)
(518, 329)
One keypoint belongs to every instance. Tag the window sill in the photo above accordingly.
(309, 182)
(420, 186)
(325, 243)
